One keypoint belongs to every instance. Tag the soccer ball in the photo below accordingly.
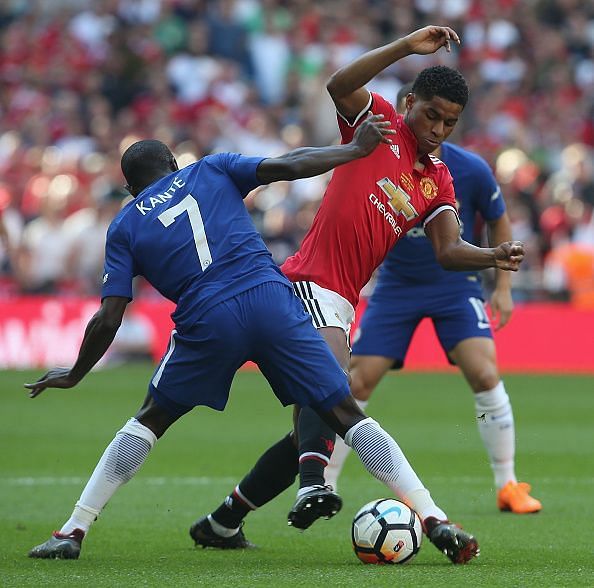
(386, 531)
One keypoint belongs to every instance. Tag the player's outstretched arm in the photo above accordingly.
(346, 86)
(99, 334)
(453, 253)
(312, 161)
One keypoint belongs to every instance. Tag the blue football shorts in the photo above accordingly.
(392, 316)
(265, 324)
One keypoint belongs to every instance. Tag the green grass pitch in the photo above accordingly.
(50, 445)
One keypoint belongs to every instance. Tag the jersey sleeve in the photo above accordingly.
(490, 200)
(376, 104)
(445, 199)
(119, 265)
(242, 170)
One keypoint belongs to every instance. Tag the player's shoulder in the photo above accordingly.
(120, 220)
(221, 159)
(379, 105)
(470, 159)
(205, 166)
(379, 99)
(195, 166)
(438, 163)
(212, 158)
(440, 170)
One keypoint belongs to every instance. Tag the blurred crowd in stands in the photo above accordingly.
(80, 80)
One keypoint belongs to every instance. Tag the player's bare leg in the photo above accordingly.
(366, 373)
(121, 460)
(477, 359)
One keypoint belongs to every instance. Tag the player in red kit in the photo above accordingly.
(367, 207)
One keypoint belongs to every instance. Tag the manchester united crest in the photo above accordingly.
(429, 188)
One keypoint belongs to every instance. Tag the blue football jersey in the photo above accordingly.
(412, 259)
(190, 235)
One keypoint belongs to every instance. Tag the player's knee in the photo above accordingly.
(484, 378)
(135, 428)
(367, 423)
(361, 388)
(343, 416)
(156, 419)
(351, 414)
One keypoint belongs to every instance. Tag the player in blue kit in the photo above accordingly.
(411, 286)
(189, 234)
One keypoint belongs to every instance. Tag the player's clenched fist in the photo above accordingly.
(371, 132)
(509, 255)
(429, 39)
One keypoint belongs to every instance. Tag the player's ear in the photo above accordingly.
(132, 190)
(409, 101)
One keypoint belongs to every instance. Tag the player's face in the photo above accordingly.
(431, 121)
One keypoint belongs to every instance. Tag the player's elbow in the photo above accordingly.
(109, 318)
(108, 322)
(446, 258)
(334, 86)
(446, 263)
(331, 85)
(448, 250)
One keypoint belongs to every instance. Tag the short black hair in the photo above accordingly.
(441, 81)
(144, 159)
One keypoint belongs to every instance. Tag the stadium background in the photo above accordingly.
(81, 79)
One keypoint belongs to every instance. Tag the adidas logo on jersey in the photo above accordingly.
(395, 150)
(435, 160)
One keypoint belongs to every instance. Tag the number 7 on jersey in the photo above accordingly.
(190, 205)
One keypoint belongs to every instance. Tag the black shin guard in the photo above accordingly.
(273, 473)
(316, 443)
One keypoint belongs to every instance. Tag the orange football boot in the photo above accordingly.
(515, 497)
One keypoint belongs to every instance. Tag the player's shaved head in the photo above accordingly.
(146, 161)
(442, 81)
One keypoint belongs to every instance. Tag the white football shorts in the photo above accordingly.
(326, 307)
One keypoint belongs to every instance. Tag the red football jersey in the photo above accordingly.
(369, 204)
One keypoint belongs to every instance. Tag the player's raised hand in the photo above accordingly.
(55, 378)
(429, 39)
(509, 255)
(371, 132)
